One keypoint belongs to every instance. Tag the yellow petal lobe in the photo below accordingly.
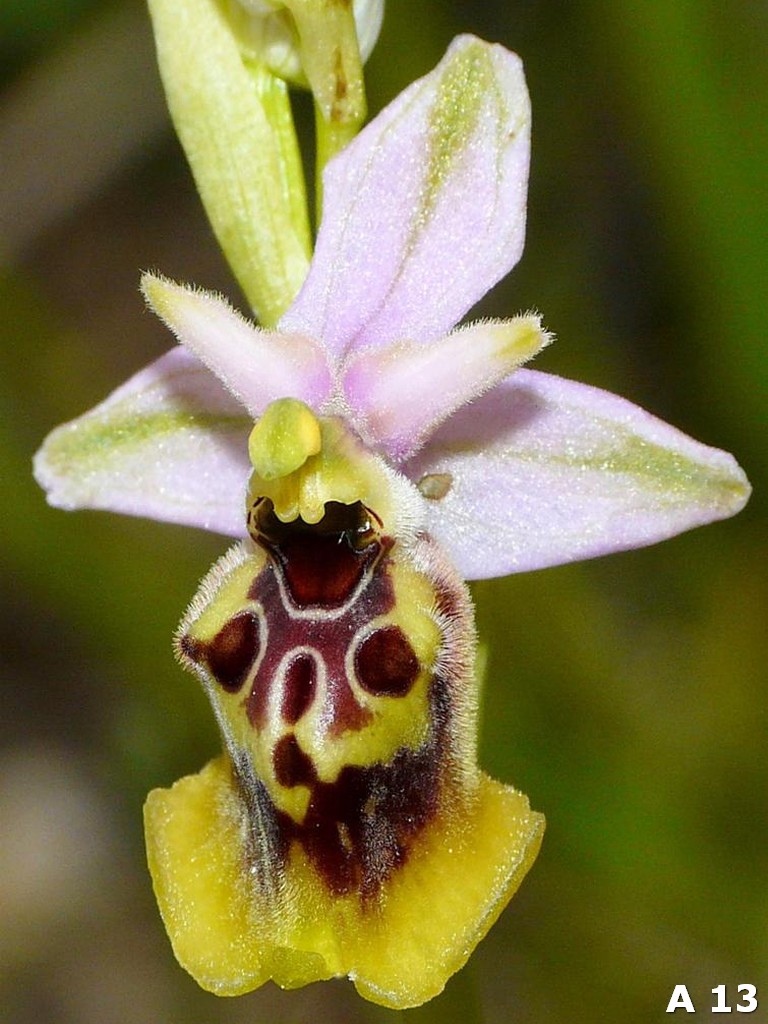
(233, 932)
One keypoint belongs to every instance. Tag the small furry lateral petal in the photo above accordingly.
(404, 391)
(544, 470)
(169, 444)
(257, 366)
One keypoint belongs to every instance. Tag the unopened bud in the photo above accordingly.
(320, 43)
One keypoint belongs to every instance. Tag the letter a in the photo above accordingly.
(680, 1000)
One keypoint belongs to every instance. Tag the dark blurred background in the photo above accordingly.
(626, 696)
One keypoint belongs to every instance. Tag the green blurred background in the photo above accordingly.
(626, 696)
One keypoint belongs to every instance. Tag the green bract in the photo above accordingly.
(233, 118)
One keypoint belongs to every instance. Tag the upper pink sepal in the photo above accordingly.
(425, 209)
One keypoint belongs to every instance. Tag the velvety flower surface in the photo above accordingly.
(432, 454)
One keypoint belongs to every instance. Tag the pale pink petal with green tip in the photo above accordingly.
(542, 471)
(170, 444)
(425, 209)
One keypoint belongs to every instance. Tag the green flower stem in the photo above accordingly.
(330, 57)
(235, 123)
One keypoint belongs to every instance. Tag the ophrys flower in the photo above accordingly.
(348, 829)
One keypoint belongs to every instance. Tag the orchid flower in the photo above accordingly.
(368, 453)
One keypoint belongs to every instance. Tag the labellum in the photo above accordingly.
(337, 647)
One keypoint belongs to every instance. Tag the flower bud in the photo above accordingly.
(320, 43)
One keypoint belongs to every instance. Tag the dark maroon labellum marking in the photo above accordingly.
(385, 663)
(360, 828)
(329, 638)
(323, 571)
(292, 766)
(232, 652)
(322, 563)
(299, 687)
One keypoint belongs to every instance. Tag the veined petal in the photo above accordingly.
(425, 209)
(170, 444)
(542, 471)
(256, 366)
(404, 391)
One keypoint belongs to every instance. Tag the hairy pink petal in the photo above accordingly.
(404, 391)
(256, 366)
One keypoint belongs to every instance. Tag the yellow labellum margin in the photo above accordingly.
(399, 950)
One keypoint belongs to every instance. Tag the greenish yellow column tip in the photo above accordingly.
(284, 437)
